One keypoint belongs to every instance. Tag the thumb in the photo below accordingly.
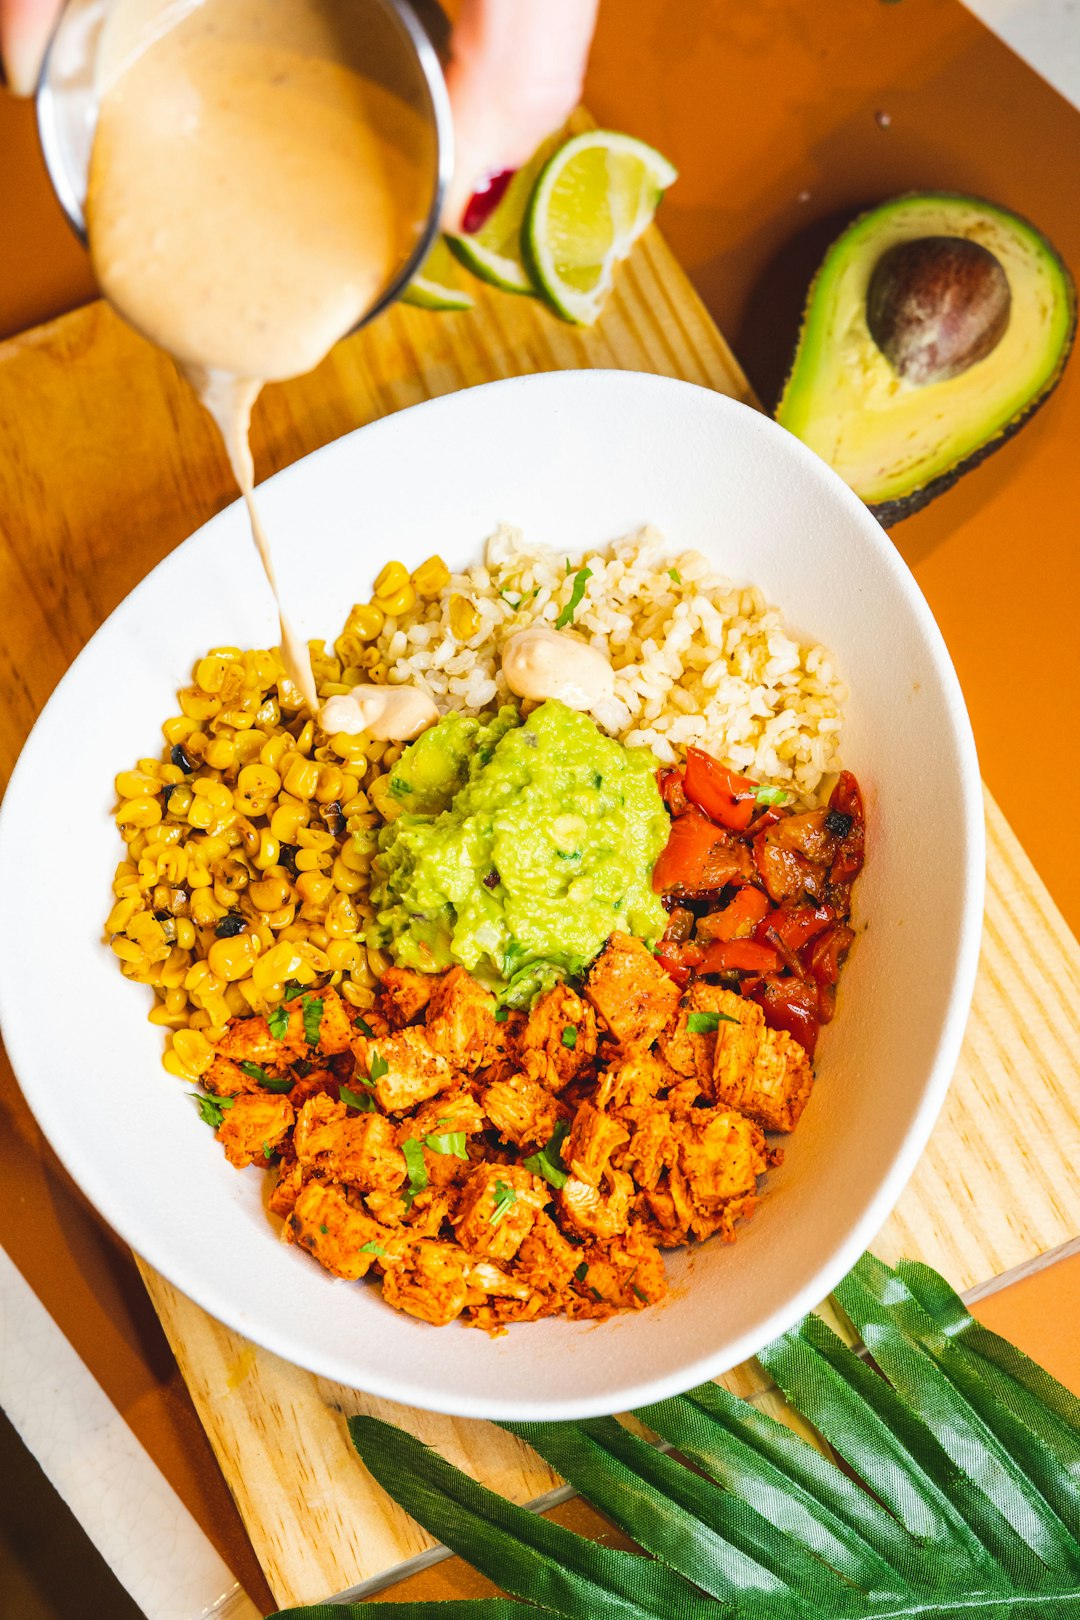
(25, 29)
(515, 75)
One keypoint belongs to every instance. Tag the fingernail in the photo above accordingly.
(485, 199)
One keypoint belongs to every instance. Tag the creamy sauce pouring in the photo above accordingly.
(251, 195)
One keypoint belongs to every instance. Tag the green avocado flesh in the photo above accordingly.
(520, 847)
(898, 443)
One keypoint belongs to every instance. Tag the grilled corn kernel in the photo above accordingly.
(328, 788)
(383, 800)
(287, 819)
(193, 1050)
(258, 781)
(313, 860)
(169, 1020)
(127, 950)
(269, 894)
(142, 811)
(342, 954)
(275, 749)
(399, 602)
(221, 753)
(464, 617)
(120, 915)
(301, 778)
(233, 958)
(390, 578)
(315, 958)
(345, 881)
(366, 620)
(315, 837)
(178, 729)
(357, 996)
(314, 888)
(197, 705)
(176, 1001)
(269, 852)
(377, 960)
(134, 784)
(341, 918)
(349, 745)
(185, 933)
(172, 1064)
(431, 576)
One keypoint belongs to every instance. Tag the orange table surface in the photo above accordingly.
(783, 119)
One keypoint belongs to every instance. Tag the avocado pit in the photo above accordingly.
(936, 305)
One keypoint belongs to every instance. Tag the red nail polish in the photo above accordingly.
(486, 198)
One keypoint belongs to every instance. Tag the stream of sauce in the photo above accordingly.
(252, 193)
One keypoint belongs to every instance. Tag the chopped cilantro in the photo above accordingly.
(505, 1199)
(582, 1271)
(501, 1014)
(644, 1298)
(324, 1230)
(369, 1248)
(400, 787)
(302, 1068)
(569, 566)
(293, 989)
(581, 579)
(703, 1023)
(569, 1036)
(278, 1022)
(268, 1151)
(268, 1082)
(379, 1067)
(414, 1164)
(673, 573)
(596, 1294)
(313, 1006)
(356, 1099)
(548, 1162)
(211, 1109)
(451, 1143)
(771, 795)
(365, 1028)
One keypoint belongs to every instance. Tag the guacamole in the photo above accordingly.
(520, 846)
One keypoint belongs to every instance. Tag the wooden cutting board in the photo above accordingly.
(108, 463)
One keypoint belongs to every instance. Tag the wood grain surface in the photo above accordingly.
(109, 464)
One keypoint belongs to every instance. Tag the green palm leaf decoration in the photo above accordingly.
(968, 1454)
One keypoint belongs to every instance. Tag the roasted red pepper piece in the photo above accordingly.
(738, 919)
(672, 791)
(728, 799)
(796, 925)
(791, 1004)
(698, 856)
(825, 956)
(847, 800)
(743, 955)
(786, 874)
(679, 960)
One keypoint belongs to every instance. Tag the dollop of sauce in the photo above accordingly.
(252, 191)
(393, 713)
(540, 663)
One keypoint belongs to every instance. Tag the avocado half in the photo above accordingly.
(896, 440)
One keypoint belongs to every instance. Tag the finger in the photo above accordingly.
(515, 74)
(25, 30)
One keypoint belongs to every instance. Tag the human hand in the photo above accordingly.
(25, 29)
(515, 75)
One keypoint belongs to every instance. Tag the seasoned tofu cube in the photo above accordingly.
(593, 1138)
(227, 1079)
(545, 1259)
(248, 1040)
(319, 1013)
(286, 1190)
(402, 994)
(430, 1280)
(721, 1155)
(558, 1041)
(594, 1211)
(255, 1127)
(342, 1238)
(358, 1149)
(522, 1110)
(691, 1051)
(406, 1071)
(633, 994)
(461, 1023)
(764, 1073)
(496, 1208)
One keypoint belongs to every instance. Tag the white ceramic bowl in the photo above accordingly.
(574, 458)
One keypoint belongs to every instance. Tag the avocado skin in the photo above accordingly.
(889, 513)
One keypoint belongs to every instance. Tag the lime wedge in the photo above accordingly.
(591, 203)
(435, 285)
(494, 251)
